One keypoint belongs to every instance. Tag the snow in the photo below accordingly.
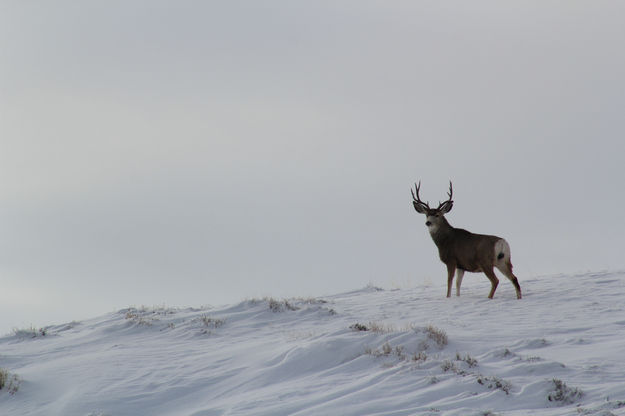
(558, 351)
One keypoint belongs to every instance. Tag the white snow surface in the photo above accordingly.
(558, 351)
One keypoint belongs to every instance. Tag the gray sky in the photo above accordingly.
(193, 153)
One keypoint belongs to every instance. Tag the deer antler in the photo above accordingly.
(450, 193)
(416, 199)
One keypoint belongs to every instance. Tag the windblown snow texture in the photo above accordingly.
(559, 351)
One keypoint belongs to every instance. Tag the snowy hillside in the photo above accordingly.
(559, 351)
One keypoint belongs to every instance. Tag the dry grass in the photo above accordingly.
(31, 332)
(494, 383)
(147, 316)
(8, 381)
(280, 306)
(419, 356)
(386, 351)
(471, 362)
(437, 335)
(376, 327)
(210, 322)
(139, 319)
(564, 393)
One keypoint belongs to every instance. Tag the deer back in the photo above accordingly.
(466, 250)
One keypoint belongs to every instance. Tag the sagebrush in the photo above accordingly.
(563, 393)
(10, 382)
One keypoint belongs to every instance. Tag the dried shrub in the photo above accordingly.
(471, 362)
(419, 356)
(8, 381)
(280, 306)
(563, 393)
(449, 366)
(494, 383)
(437, 335)
(381, 328)
(210, 322)
(31, 332)
(358, 327)
(373, 327)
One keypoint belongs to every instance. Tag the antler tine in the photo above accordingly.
(417, 199)
(450, 194)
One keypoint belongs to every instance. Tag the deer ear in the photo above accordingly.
(418, 207)
(446, 207)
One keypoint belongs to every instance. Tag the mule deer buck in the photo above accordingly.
(462, 250)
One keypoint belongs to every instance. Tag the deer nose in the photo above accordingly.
(428, 223)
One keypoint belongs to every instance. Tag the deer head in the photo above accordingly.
(434, 216)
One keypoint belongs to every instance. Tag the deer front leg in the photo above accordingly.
(459, 276)
(451, 269)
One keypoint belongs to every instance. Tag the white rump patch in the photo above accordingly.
(501, 246)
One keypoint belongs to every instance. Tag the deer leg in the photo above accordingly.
(450, 278)
(493, 281)
(459, 276)
(507, 271)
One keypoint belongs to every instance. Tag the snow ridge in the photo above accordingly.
(367, 352)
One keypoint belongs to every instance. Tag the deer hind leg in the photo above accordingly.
(450, 278)
(493, 281)
(506, 269)
(459, 276)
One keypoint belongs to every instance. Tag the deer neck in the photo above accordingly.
(443, 233)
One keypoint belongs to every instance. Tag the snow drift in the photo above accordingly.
(369, 352)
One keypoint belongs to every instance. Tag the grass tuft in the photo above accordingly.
(419, 356)
(563, 393)
(209, 322)
(358, 327)
(280, 306)
(437, 335)
(377, 327)
(8, 381)
(471, 362)
(494, 383)
(31, 332)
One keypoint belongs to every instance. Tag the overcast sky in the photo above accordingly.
(191, 153)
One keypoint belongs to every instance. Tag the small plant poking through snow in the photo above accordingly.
(31, 332)
(387, 350)
(137, 319)
(146, 316)
(280, 306)
(358, 327)
(449, 366)
(419, 356)
(564, 393)
(8, 381)
(211, 322)
(311, 301)
(374, 327)
(381, 328)
(494, 383)
(437, 335)
(471, 362)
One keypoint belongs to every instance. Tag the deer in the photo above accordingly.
(463, 251)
